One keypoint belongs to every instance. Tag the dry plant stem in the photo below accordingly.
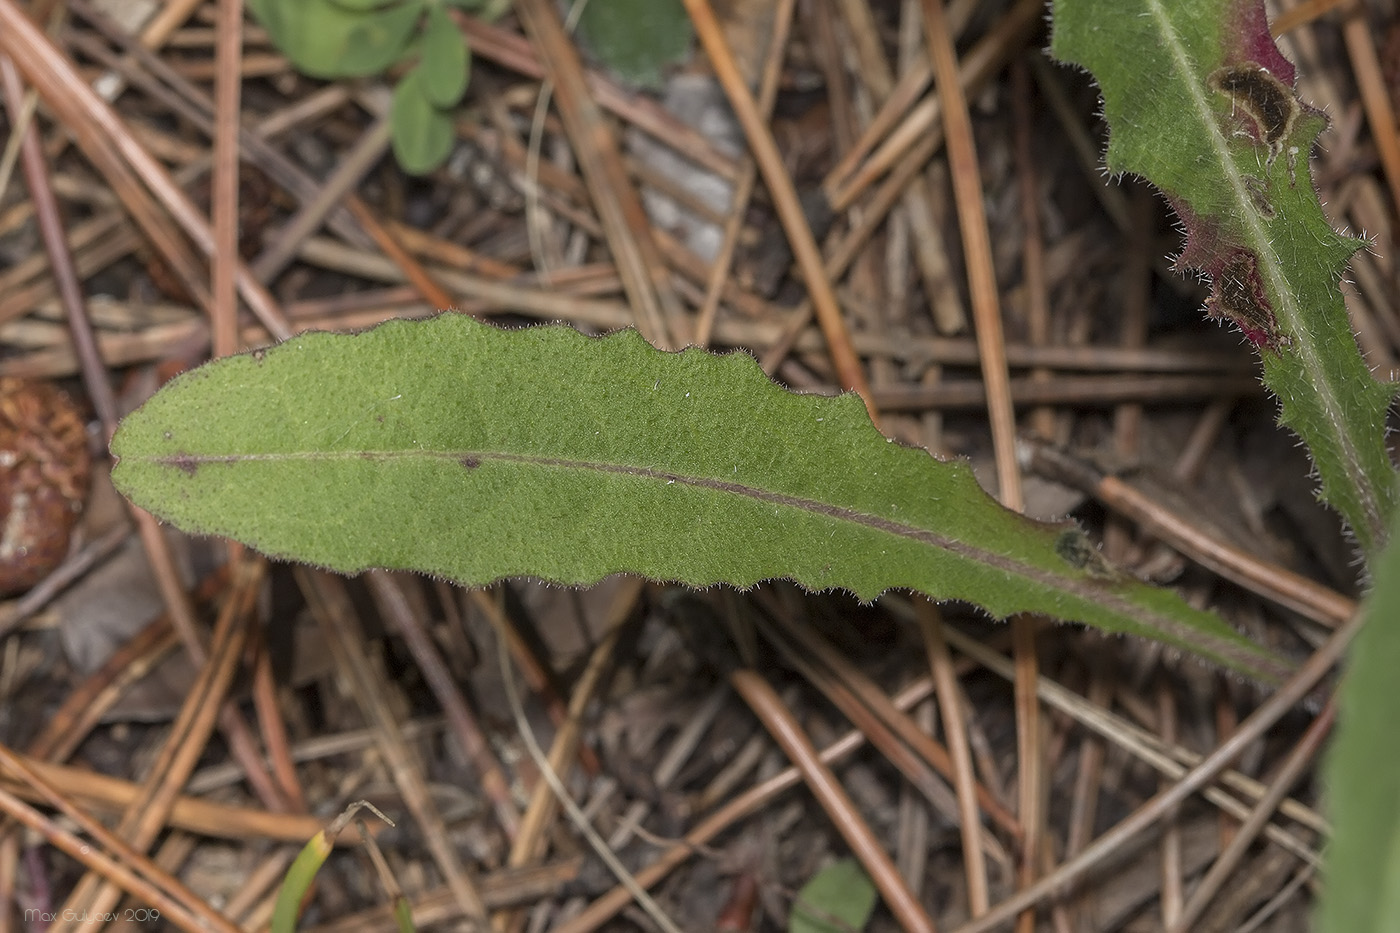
(392, 246)
(368, 150)
(1092, 712)
(491, 604)
(1302, 14)
(1297, 762)
(673, 759)
(182, 618)
(272, 728)
(528, 844)
(644, 275)
(260, 886)
(1277, 584)
(369, 308)
(171, 889)
(144, 818)
(63, 89)
(926, 239)
(1199, 777)
(881, 737)
(395, 608)
(972, 222)
(605, 907)
(580, 819)
(748, 176)
(1080, 391)
(1043, 419)
(65, 277)
(337, 619)
(1006, 39)
(1356, 31)
(878, 702)
(903, 95)
(214, 777)
(19, 126)
(785, 200)
(156, 78)
(955, 734)
(83, 852)
(1084, 802)
(833, 798)
(986, 315)
(84, 706)
(228, 87)
(1172, 898)
(1087, 149)
(513, 51)
(74, 566)
(514, 887)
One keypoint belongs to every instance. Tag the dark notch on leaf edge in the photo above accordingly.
(1237, 293)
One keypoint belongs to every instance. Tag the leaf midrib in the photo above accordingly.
(1090, 591)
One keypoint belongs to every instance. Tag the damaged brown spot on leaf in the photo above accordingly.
(1258, 189)
(184, 463)
(1077, 550)
(1271, 104)
(1237, 293)
(471, 463)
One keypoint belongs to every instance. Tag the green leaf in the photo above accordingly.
(1362, 774)
(362, 6)
(637, 38)
(838, 899)
(444, 61)
(1201, 103)
(422, 134)
(455, 448)
(296, 883)
(330, 40)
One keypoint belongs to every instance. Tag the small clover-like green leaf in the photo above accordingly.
(637, 38)
(328, 40)
(838, 899)
(422, 134)
(382, 37)
(444, 60)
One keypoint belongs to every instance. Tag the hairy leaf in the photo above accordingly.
(1201, 103)
(455, 448)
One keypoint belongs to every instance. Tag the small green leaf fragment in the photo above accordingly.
(298, 881)
(637, 38)
(403, 915)
(1362, 772)
(444, 61)
(422, 134)
(838, 899)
